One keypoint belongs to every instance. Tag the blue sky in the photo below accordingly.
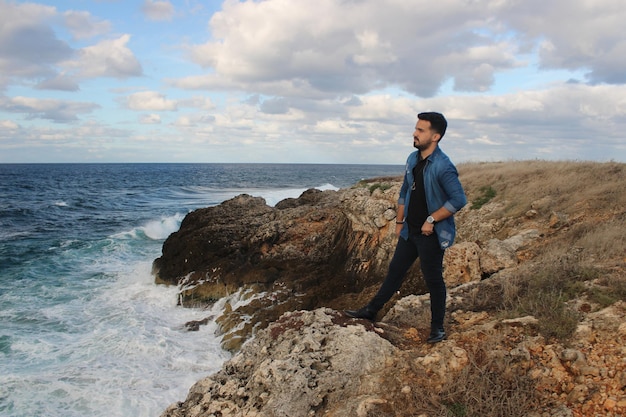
(325, 81)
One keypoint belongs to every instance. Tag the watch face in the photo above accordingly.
(430, 219)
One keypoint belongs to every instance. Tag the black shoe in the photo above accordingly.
(362, 313)
(436, 336)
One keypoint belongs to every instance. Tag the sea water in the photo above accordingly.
(84, 330)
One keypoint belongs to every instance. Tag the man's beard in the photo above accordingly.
(421, 146)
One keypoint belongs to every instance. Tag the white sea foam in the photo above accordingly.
(8, 235)
(206, 196)
(161, 229)
(115, 349)
(272, 197)
(122, 352)
(155, 229)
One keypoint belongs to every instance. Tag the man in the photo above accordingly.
(430, 195)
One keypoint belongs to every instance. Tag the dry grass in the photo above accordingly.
(487, 387)
(605, 240)
(583, 255)
(568, 184)
(544, 289)
(492, 384)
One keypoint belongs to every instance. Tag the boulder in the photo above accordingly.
(500, 254)
(299, 364)
(462, 264)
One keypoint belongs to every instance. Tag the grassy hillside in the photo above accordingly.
(579, 209)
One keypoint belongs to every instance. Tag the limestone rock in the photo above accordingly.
(319, 362)
(462, 264)
(500, 254)
(301, 363)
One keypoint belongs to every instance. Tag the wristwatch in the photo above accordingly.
(430, 219)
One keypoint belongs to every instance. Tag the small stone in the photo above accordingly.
(570, 355)
(531, 213)
(609, 404)
(577, 394)
(590, 371)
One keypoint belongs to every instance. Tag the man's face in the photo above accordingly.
(424, 136)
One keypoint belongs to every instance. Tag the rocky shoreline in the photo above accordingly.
(303, 261)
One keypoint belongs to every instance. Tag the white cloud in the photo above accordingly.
(199, 102)
(108, 58)
(351, 47)
(8, 125)
(83, 25)
(374, 51)
(184, 121)
(335, 127)
(574, 35)
(51, 109)
(483, 140)
(60, 82)
(150, 100)
(158, 10)
(276, 47)
(29, 47)
(331, 79)
(275, 106)
(150, 119)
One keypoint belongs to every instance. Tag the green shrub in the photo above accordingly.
(380, 186)
(487, 194)
(610, 289)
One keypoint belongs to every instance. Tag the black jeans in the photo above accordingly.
(431, 261)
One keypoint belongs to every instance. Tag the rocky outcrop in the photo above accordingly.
(298, 365)
(314, 363)
(304, 253)
(297, 265)
(301, 254)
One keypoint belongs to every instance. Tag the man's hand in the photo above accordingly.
(428, 229)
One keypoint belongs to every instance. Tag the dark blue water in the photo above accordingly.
(84, 331)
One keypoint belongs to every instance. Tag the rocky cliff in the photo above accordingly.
(536, 310)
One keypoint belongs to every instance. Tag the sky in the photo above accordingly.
(302, 81)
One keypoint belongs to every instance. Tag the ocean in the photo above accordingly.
(84, 330)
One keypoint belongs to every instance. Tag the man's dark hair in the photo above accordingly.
(437, 122)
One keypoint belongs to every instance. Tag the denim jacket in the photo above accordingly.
(443, 189)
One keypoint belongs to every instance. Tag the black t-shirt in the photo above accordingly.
(418, 210)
